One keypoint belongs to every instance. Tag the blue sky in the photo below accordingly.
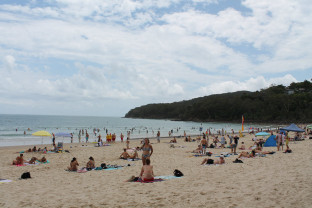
(104, 58)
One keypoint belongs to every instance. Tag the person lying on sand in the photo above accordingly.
(91, 164)
(211, 161)
(73, 165)
(124, 155)
(43, 160)
(19, 160)
(198, 150)
(247, 154)
(32, 160)
(147, 173)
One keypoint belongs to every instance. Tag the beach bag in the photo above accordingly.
(177, 173)
(25, 175)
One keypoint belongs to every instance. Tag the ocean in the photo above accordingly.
(17, 129)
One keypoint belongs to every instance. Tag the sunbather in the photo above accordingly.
(198, 150)
(147, 173)
(242, 147)
(247, 154)
(32, 160)
(90, 165)
(19, 160)
(134, 155)
(124, 155)
(211, 161)
(73, 165)
(174, 140)
(43, 160)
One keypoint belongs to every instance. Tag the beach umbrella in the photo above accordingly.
(262, 134)
(63, 134)
(42, 134)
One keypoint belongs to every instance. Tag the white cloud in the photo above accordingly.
(252, 84)
(128, 50)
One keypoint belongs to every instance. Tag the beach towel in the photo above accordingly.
(5, 181)
(43, 162)
(166, 177)
(84, 170)
(197, 155)
(135, 159)
(20, 165)
(228, 155)
(155, 180)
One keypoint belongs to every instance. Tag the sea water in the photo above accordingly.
(18, 129)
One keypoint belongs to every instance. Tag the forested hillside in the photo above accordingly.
(274, 104)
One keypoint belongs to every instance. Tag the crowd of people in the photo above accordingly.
(205, 141)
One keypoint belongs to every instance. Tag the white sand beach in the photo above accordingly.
(278, 180)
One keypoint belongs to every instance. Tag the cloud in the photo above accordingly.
(252, 84)
(93, 52)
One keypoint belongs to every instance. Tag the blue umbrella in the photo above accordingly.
(262, 134)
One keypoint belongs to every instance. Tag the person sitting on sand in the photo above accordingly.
(19, 160)
(34, 149)
(124, 155)
(43, 160)
(90, 165)
(247, 154)
(135, 155)
(32, 160)
(174, 140)
(211, 161)
(242, 147)
(73, 165)
(198, 150)
(147, 150)
(147, 173)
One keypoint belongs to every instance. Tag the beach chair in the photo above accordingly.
(59, 147)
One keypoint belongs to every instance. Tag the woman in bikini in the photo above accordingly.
(147, 173)
(147, 150)
(247, 154)
(73, 165)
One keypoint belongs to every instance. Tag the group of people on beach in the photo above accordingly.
(20, 160)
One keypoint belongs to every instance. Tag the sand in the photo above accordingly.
(279, 180)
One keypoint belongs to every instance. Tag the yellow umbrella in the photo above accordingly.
(42, 134)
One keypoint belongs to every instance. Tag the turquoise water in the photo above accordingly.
(12, 127)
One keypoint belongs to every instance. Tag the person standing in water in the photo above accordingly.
(147, 150)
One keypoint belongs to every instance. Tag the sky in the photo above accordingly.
(105, 57)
